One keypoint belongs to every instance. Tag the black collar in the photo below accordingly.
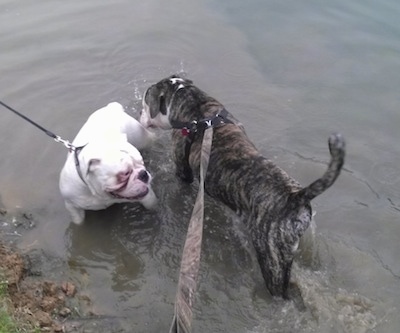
(191, 129)
(76, 152)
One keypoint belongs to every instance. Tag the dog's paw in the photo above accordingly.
(185, 175)
(150, 201)
(77, 214)
(150, 136)
(295, 295)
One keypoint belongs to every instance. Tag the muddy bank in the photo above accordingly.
(38, 296)
(34, 303)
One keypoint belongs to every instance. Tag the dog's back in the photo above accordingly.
(277, 208)
(110, 120)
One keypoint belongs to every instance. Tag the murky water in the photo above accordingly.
(292, 72)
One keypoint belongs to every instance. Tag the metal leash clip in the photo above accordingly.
(66, 143)
(193, 126)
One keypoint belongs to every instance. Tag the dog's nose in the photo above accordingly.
(143, 176)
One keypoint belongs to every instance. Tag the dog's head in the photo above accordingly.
(157, 101)
(114, 169)
(277, 248)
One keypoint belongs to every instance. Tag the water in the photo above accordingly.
(292, 72)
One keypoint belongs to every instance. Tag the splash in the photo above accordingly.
(137, 95)
(339, 310)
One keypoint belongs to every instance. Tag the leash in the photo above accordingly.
(56, 138)
(190, 263)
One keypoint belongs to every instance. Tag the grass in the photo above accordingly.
(8, 324)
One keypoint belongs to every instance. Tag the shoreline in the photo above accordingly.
(38, 297)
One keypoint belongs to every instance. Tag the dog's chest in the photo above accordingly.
(88, 201)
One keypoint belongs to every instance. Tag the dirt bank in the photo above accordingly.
(35, 301)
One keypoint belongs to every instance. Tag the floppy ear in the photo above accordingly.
(163, 105)
(93, 164)
(156, 101)
(154, 105)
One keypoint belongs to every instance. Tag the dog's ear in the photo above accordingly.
(156, 101)
(92, 165)
(163, 105)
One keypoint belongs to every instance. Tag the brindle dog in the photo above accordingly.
(277, 208)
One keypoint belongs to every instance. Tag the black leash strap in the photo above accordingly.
(57, 138)
(66, 143)
(51, 134)
(193, 128)
(77, 164)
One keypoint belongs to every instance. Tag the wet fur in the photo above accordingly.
(276, 207)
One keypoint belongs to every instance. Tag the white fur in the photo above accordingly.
(109, 162)
(176, 80)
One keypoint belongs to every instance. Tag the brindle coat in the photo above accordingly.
(277, 208)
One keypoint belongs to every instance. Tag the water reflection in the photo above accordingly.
(95, 245)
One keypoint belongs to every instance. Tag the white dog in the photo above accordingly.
(106, 167)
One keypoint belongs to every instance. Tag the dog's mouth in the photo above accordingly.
(121, 191)
(141, 195)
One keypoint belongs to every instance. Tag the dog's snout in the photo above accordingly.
(143, 176)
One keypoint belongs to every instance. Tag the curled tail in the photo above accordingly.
(337, 150)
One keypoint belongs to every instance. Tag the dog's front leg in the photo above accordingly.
(77, 214)
(183, 169)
